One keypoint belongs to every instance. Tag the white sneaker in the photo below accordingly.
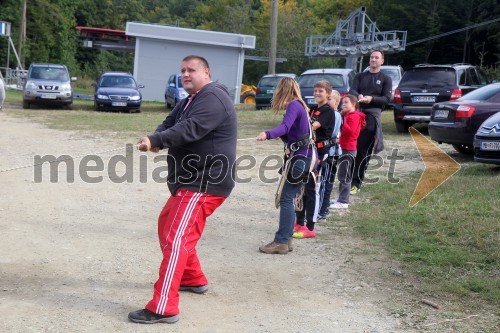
(339, 205)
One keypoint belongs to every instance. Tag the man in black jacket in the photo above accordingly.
(200, 134)
(373, 89)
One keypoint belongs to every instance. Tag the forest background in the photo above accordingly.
(51, 34)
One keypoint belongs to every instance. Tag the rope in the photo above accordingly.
(81, 156)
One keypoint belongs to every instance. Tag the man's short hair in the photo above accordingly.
(381, 53)
(197, 57)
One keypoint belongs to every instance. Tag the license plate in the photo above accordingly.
(441, 114)
(424, 99)
(119, 103)
(49, 96)
(270, 91)
(489, 145)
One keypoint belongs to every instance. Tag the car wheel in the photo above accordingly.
(69, 106)
(464, 149)
(248, 98)
(402, 126)
(26, 105)
(96, 107)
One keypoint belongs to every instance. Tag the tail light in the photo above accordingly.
(456, 94)
(397, 96)
(257, 91)
(464, 111)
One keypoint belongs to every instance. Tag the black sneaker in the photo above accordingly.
(194, 289)
(145, 316)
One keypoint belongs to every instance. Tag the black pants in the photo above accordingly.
(366, 141)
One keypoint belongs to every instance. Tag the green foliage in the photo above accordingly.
(51, 35)
(450, 238)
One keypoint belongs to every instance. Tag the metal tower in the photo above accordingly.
(354, 37)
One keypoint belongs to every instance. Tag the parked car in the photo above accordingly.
(340, 78)
(487, 141)
(174, 92)
(457, 121)
(117, 91)
(265, 89)
(424, 85)
(395, 73)
(48, 84)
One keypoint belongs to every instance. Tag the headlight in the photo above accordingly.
(99, 96)
(183, 94)
(65, 86)
(31, 85)
(135, 98)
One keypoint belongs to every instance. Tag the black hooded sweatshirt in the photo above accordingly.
(202, 142)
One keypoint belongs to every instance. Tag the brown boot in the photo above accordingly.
(290, 246)
(274, 248)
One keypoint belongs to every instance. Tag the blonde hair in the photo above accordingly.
(335, 95)
(286, 91)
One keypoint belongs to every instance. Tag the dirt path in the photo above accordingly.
(77, 257)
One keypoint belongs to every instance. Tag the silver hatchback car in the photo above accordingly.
(48, 84)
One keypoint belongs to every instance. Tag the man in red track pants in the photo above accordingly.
(200, 133)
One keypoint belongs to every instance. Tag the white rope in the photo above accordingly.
(59, 160)
(80, 156)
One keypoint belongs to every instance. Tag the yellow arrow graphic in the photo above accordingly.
(438, 167)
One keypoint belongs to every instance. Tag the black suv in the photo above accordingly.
(426, 84)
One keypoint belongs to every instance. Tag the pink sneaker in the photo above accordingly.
(303, 232)
(297, 226)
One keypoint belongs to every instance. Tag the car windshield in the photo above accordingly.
(271, 81)
(432, 77)
(309, 80)
(49, 73)
(392, 73)
(482, 94)
(118, 81)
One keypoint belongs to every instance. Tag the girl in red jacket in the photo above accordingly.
(354, 121)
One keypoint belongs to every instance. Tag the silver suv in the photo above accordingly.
(48, 84)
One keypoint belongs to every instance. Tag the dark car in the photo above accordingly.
(456, 122)
(117, 91)
(174, 92)
(487, 141)
(265, 89)
(423, 85)
(340, 78)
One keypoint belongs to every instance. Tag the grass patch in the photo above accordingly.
(450, 238)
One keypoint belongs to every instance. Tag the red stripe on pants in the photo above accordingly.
(180, 225)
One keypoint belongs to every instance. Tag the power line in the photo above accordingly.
(453, 32)
(300, 53)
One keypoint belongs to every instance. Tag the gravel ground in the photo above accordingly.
(78, 256)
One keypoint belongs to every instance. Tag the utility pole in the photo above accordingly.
(22, 31)
(273, 37)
